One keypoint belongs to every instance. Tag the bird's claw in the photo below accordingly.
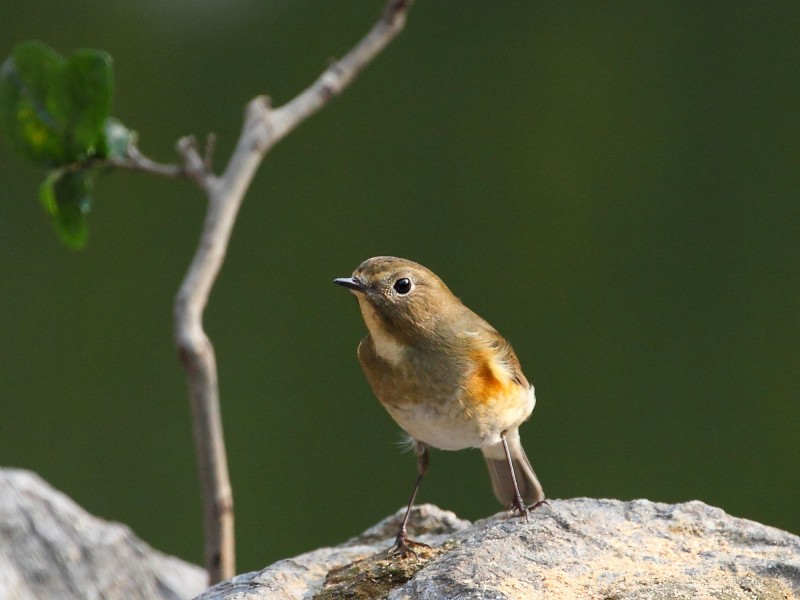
(404, 547)
(519, 509)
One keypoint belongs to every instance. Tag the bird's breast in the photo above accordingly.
(447, 400)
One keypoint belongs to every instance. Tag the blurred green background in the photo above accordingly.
(614, 186)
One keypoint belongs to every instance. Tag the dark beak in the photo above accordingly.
(350, 282)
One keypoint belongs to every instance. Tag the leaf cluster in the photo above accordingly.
(56, 112)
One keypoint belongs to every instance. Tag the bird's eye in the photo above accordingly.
(402, 286)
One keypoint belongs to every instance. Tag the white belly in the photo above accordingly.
(457, 429)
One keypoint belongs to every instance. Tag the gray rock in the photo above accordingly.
(304, 575)
(52, 548)
(580, 548)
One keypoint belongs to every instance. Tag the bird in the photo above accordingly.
(445, 376)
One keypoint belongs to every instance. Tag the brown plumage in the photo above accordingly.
(445, 375)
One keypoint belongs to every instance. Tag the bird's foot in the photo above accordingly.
(519, 509)
(404, 547)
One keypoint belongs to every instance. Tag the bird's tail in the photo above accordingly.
(529, 487)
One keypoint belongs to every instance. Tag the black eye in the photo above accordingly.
(402, 286)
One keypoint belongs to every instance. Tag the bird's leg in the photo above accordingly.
(402, 545)
(517, 504)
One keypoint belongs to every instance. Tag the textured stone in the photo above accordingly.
(52, 548)
(585, 548)
(304, 575)
(579, 548)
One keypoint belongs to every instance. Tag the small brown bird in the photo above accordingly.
(444, 375)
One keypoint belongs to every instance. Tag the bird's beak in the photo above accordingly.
(350, 282)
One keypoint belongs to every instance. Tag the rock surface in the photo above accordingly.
(579, 548)
(52, 548)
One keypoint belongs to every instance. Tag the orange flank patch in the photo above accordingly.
(489, 382)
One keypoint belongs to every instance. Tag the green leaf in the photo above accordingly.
(82, 101)
(25, 80)
(66, 196)
(38, 65)
(53, 110)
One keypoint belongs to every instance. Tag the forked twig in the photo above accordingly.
(263, 128)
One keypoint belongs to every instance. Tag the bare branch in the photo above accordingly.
(341, 73)
(262, 128)
(139, 162)
(195, 167)
(211, 146)
(135, 161)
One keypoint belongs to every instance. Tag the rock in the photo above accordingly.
(304, 575)
(50, 548)
(579, 548)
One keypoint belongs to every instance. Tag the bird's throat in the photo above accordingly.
(387, 346)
